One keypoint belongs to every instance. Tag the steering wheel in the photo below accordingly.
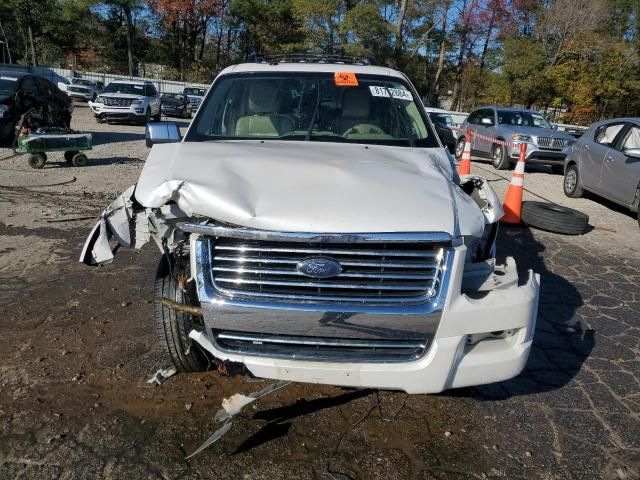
(363, 128)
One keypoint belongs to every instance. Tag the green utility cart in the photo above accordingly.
(37, 143)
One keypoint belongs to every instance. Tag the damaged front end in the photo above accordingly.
(126, 223)
(413, 311)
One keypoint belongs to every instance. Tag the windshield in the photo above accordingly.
(124, 88)
(197, 92)
(522, 119)
(86, 83)
(442, 118)
(7, 84)
(315, 107)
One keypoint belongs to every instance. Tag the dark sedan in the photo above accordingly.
(441, 123)
(175, 105)
(22, 92)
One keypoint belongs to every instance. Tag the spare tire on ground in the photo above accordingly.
(554, 218)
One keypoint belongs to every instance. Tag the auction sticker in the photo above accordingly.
(395, 93)
(345, 79)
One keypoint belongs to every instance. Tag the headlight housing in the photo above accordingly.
(518, 137)
(138, 101)
(98, 100)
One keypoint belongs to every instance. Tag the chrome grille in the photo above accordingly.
(380, 272)
(552, 142)
(117, 102)
(317, 349)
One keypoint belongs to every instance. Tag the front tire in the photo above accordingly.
(158, 116)
(499, 158)
(173, 327)
(571, 183)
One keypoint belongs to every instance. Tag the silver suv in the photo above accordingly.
(84, 89)
(128, 101)
(314, 229)
(515, 125)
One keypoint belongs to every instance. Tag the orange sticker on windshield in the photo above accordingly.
(345, 79)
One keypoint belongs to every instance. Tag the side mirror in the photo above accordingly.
(554, 126)
(632, 152)
(486, 121)
(161, 132)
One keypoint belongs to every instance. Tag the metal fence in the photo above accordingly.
(62, 76)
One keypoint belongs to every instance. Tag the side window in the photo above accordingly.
(606, 134)
(486, 117)
(474, 117)
(632, 139)
(28, 86)
(151, 90)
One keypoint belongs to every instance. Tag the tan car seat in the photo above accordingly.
(264, 120)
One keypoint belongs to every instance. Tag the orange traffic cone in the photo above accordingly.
(465, 162)
(513, 199)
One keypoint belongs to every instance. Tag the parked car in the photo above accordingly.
(131, 101)
(84, 89)
(175, 105)
(605, 160)
(544, 144)
(443, 123)
(23, 92)
(194, 94)
(312, 228)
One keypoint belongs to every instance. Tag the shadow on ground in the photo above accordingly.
(562, 342)
(278, 419)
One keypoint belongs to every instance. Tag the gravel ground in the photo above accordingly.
(78, 345)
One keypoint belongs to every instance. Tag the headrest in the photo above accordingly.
(355, 103)
(262, 97)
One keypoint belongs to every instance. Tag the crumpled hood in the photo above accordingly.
(310, 186)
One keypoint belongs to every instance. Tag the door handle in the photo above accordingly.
(586, 147)
(609, 158)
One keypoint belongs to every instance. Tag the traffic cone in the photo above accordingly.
(465, 162)
(513, 199)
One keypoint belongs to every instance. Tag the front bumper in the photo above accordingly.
(536, 154)
(83, 95)
(462, 350)
(135, 113)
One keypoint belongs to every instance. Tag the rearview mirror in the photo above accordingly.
(632, 152)
(161, 132)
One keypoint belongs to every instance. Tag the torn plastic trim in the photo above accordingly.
(126, 223)
(232, 406)
(480, 191)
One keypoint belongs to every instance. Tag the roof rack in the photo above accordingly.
(303, 57)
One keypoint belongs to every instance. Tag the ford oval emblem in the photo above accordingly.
(319, 267)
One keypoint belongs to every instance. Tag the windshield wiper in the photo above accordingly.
(315, 114)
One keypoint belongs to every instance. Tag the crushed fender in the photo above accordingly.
(162, 375)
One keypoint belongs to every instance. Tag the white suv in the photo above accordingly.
(314, 229)
(130, 101)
